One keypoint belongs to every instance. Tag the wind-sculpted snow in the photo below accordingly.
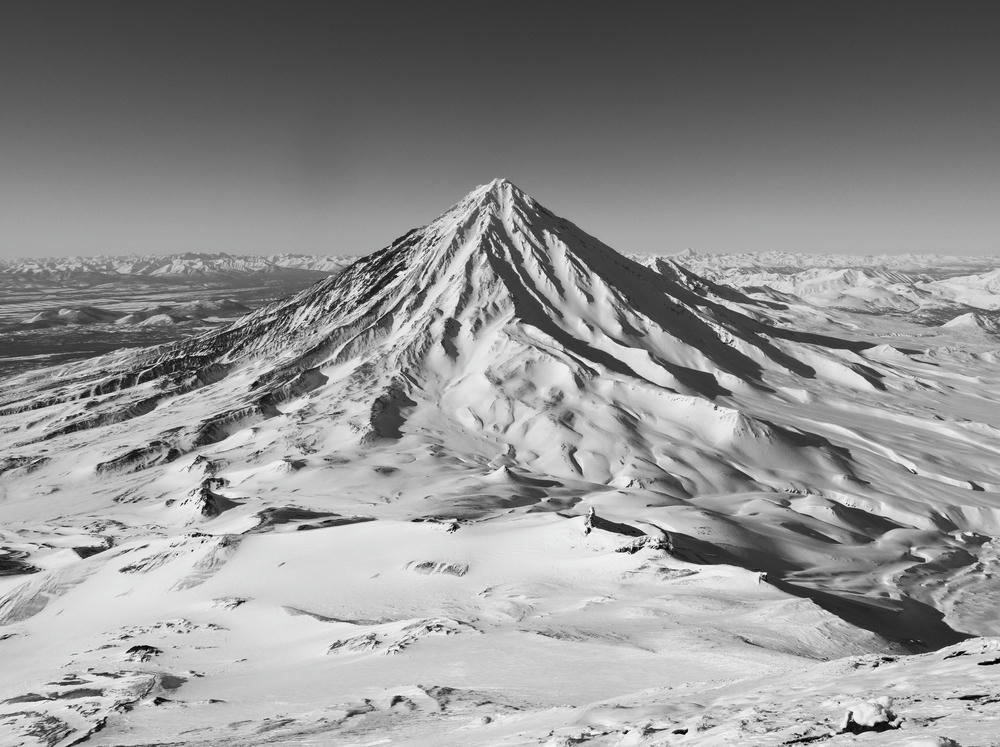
(572, 495)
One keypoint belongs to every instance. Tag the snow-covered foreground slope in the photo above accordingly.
(499, 484)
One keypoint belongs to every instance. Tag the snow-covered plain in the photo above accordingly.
(498, 484)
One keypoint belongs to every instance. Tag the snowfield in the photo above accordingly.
(499, 484)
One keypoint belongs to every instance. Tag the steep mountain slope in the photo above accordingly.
(494, 440)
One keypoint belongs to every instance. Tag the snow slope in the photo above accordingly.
(490, 483)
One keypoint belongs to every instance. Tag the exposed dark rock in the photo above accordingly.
(229, 603)
(28, 698)
(171, 681)
(387, 413)
(158, 452)
(278, 515)
(86, 551)
(874, 716)
(207, 502)
(12, 563)
(24, 465)
(142, 653)
(593, 521)
(429, 567)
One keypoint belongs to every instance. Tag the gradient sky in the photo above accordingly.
(333, 127)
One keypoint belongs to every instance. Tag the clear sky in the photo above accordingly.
(333, 127)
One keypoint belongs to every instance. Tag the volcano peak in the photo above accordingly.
(498, 196)
(502, 185)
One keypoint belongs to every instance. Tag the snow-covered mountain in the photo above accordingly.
(126, 271)
(497, 483)
(486, 314)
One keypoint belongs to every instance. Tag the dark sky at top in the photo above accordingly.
(334, 127)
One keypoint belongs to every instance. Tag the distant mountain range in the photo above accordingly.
(930, 286)
(798, 261)
(74, 271)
